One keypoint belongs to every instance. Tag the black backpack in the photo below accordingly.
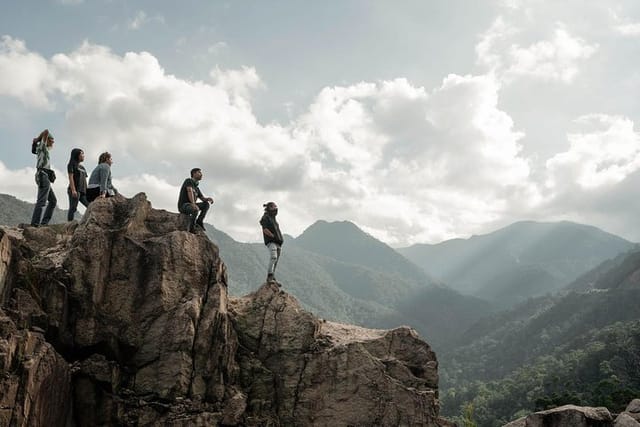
(34, 146)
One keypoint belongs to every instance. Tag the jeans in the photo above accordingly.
(188, 209)
(73, 203)
(274, 252)
(45, 194)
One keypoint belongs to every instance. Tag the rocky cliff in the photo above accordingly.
(125, 319)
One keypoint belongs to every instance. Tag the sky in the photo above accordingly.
(418, 120)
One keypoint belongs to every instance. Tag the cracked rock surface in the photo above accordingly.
(124, 319)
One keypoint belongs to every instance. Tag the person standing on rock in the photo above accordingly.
(100, 181)
(77, 182)
(188, 201)
(272, 237)
(44, 178)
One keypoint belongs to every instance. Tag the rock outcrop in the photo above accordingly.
(581, 416)
(125, 319)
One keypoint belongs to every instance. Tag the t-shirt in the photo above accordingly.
(79, 176)
(184, 196)
(269, 222)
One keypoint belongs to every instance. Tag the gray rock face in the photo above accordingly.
(625, 420)
(633, 409)
(124, 319)
(323, 373)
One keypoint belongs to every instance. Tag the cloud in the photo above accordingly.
(554, 59)
(632, 29)
(399, 157)
(24, 75)
(407, 163)
(142, 19)
(19, 183)
(217, 47)
(602, 155)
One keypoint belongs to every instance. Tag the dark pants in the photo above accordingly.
(188, 209)
(73, 203)
(45, 194)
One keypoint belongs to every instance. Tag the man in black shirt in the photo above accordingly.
(272, 237)
(188, 200)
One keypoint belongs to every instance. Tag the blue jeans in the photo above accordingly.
(45, 194)
(73, 203)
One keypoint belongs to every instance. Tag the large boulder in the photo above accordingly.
(567, 415)
(306, 371)
(124, 319)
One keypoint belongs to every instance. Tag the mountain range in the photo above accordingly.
(523, 260)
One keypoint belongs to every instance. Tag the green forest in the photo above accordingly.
(581, 349)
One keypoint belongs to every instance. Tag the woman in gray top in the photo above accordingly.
(100, 180)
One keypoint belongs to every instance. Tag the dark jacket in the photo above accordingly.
(269, 222)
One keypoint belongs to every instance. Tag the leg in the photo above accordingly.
(187, 209)
(73, 205)
(43, 194)
(51, 205)
(93, 193)
(277, 259)
(204, 207)
(273, 260)
(83, 199)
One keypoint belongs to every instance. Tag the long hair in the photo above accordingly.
(75, 156)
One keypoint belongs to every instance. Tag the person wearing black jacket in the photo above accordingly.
(272, 237)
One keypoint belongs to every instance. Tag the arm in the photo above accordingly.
(264, 222)
(103, 175)
(193, 197)
(268, 233)
(201, 196)
(72, 181)
(72, 186)
(41, 137)
(109, 183)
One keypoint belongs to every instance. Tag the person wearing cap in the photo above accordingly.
(272, 238)
(188, 200)
(44, 178)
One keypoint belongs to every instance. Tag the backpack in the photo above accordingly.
(34, 146)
